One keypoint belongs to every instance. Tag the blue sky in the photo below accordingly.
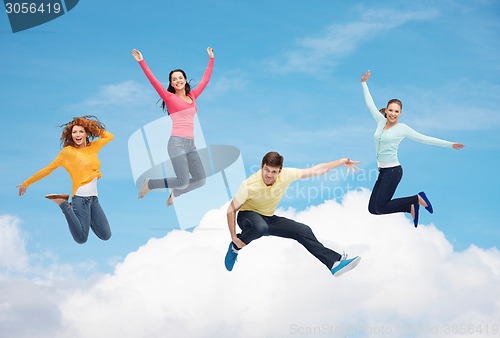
(276, 70)
(286, 78)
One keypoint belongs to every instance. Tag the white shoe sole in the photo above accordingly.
(348, 268)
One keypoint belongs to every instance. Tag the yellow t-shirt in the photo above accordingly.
(254, 195)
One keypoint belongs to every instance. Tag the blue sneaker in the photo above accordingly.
(416, 208)
(231, 256)
(429, 205)
(344, 265)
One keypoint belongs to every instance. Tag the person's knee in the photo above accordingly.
(261, 228)
(183, 183)
(372, 210)
(201, 182)
(80, 240)
(306, 229)
(105, 236)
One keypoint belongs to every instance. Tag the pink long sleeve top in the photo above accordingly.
(181, 112)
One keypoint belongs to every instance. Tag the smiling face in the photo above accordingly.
(79, 136)
(392, 112)
(178, 81)
(270, 174)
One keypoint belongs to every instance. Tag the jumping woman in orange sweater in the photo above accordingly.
(79, 158)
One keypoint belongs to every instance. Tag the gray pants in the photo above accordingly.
(188, 168)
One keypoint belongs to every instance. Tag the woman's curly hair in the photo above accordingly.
(93, 127)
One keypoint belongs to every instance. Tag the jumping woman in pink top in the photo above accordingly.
(180, 103)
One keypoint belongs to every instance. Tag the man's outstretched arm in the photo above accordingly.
(323, 168)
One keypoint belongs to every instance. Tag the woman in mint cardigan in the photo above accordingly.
(388, 135)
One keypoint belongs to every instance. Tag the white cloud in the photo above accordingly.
(32, 286)
(121, 94)
(313, 54)
(13, 254)
(409, 279)
(410, 282)
(460, 105)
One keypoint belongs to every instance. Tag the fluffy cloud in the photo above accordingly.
(410, 282)
(32, 286)
(122, 94)
(13, 254)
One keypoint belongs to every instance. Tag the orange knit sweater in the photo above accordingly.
(82, 164)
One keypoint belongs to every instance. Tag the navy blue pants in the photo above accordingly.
(254, 225)
(381, 201)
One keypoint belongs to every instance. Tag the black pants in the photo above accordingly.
(381, 201)
(254, 225)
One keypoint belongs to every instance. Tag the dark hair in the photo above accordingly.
(396, 101)
(93, 127)
(172, 90)
(272, 159)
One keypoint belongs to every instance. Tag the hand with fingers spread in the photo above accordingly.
(351, 165)
(365, 76)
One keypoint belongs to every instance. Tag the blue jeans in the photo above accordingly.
(254, 225)
(85, 213)
(186, 163)
(381, 201)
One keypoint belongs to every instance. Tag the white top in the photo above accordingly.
(87, 190)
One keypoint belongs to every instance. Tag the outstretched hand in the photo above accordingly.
(458, 146)
(22, 189)
(210, 52)
(351, 165)
(137, 55)
(365, 76)
(238, 242)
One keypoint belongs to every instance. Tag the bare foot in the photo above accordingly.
(58, 198)
(171, 199)
(412, 211)
(144, 189)
(421, 201)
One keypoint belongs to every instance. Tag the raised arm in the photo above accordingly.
(149, 74)
(206, 76)
(369, 100)
(104, 139)
(323, 168)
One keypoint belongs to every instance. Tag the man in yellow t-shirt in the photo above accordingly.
(256, 201)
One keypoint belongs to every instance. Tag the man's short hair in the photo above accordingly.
(272, 159)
